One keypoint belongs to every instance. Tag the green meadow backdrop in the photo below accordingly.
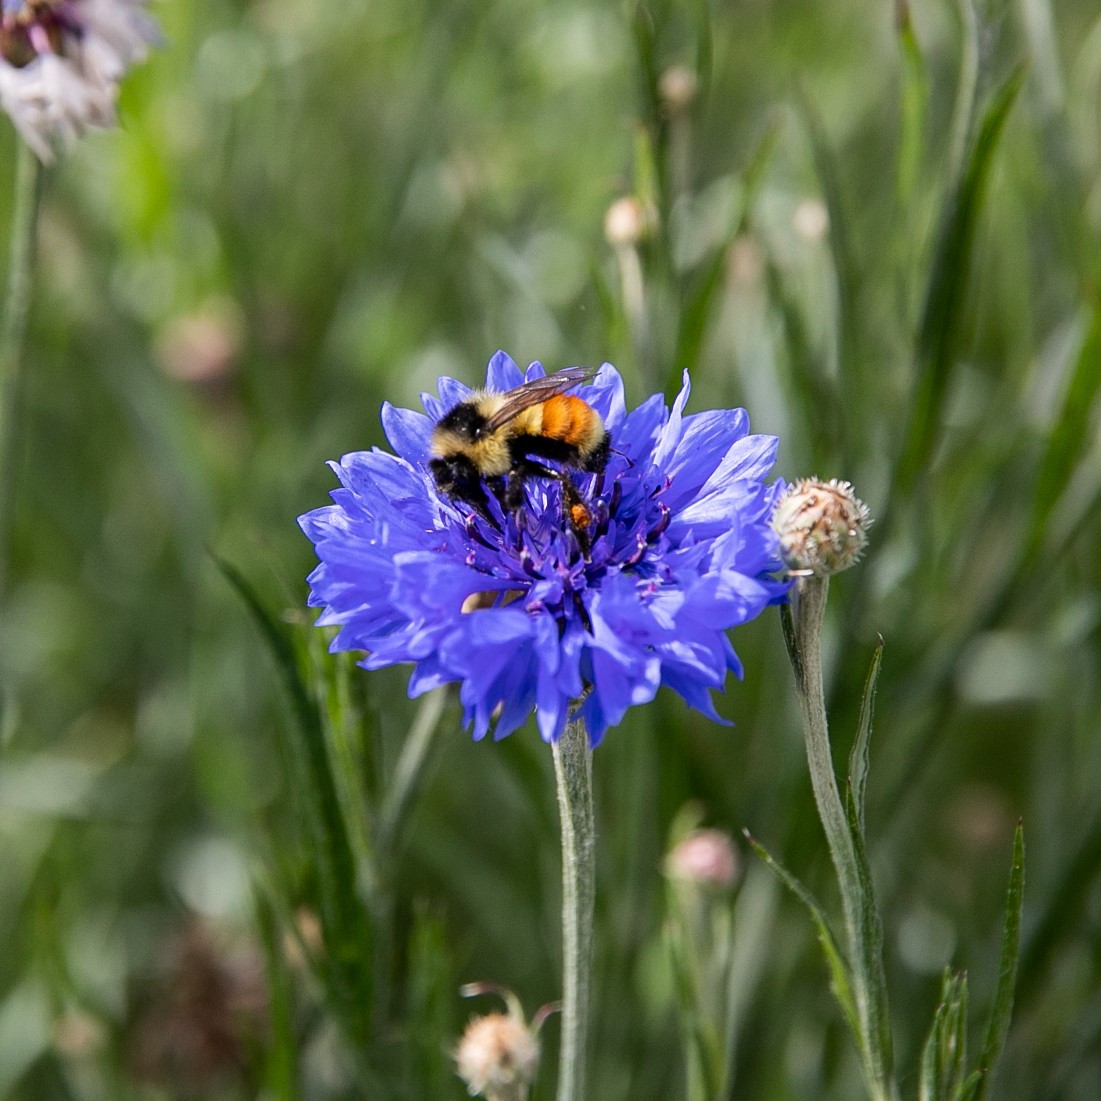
(874, 225)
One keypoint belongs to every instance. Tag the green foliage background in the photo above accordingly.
(316, 205)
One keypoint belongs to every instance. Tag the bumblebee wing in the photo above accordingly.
(538, 389)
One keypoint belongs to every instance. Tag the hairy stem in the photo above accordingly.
(862, 929)
(573, 772)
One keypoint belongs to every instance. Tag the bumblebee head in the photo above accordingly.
(465, 420)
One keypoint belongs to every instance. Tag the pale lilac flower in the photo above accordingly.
(61, 62)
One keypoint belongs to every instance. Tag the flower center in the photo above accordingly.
(30, 28)
(537, 553)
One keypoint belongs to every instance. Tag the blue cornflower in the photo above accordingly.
(509, 607)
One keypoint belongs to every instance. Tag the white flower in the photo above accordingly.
(61, 62)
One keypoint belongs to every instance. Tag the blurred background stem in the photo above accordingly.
(573, 773)
(415, 754)
(21, 257)
(393, 821)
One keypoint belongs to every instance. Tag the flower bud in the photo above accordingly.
(822, 526)
(706, 858)
(678, 87)
(811, 220)
(628, 221)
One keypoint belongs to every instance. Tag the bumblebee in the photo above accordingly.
(497, 440)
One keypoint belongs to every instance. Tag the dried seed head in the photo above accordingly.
(706, 858)
(822, 526)
(497, 1057)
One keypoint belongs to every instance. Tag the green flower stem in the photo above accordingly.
(390, 828)
(573, 772)
(633, 291)
(21, 259)
(804, 638)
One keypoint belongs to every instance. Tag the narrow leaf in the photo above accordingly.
(281, 1070)
(858, 758)
(840, 979)
(944, 1054)
(811, 389)
(342, 727)
(415, 756)
(700, 295)
(945, 296)
(705, 45)
(871, 957)
(915, 95)
(845, 266)
(1070, 435)
(346, 928)
(970, 1090)
(787, 621)
(853, 380)
(1000, 1013)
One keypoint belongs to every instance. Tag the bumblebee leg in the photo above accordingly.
(575, 512)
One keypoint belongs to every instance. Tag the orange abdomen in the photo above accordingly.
(569, 419)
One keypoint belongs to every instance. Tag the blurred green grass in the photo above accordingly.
(313, 207)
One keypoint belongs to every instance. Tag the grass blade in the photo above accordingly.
(840, 979)
(915, 98)
(1070, 434)
(858, 757)
(282, 1058)
(850, 372)
(342, 727)
(967, 88)
(998, 1027)
(698, 296)
(344, 919)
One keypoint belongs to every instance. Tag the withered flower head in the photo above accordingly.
(498, 1055)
